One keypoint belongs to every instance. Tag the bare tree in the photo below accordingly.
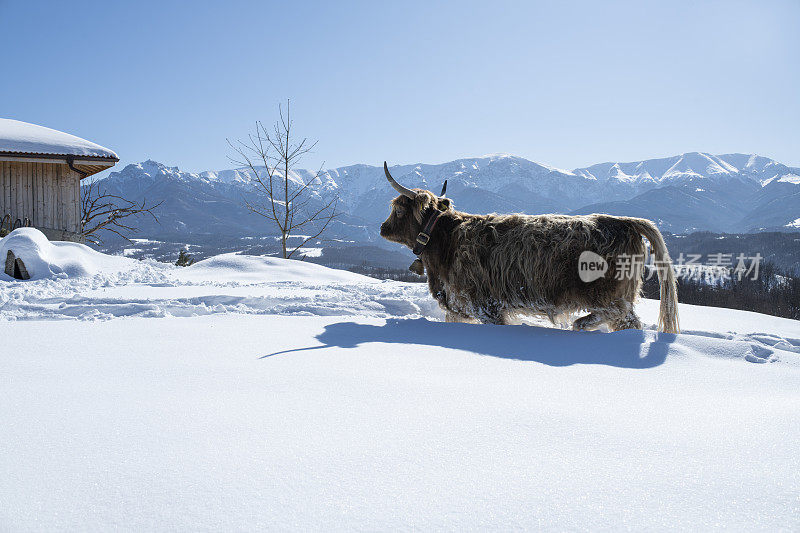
(285, 201)
(102, 211)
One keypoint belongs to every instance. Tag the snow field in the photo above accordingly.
(232, 422)
(248, 393)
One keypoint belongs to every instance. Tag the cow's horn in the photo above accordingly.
(444, 189)
(399, 188)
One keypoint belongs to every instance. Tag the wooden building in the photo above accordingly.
(40, 174)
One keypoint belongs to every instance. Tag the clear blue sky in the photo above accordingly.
(563, 83)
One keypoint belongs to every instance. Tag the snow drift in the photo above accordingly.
(253, 269)
(45, 259)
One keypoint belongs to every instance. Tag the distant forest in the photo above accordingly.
(775, 292)
(779, 248)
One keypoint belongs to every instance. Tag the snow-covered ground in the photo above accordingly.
(250, 393)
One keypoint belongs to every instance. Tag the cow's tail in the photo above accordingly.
(668, 293)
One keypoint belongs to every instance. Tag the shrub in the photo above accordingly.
(184, 259)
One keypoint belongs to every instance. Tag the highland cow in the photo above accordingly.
(487, 267)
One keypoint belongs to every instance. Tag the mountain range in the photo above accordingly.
(735, 193)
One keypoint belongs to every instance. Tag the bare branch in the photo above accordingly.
(102, 211)
(274, 195)
(322, 229)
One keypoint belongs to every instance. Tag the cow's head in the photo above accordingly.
(409, 211)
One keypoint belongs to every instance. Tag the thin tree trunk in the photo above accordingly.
(286, 193)
(256, 152)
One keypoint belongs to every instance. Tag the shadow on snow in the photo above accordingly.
(554, 347)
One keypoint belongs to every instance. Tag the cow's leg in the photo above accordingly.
(497, 320)
(618, 316)
(452, 316)
(494, 315)
(629, 321)
(589, 322)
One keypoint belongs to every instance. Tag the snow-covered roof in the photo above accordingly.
(24, 138)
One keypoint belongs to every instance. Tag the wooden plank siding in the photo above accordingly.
(5, 175)
(59, 212)
(16, 182)
(38, 213)
(47, 193)
(50, 201)
(77, 209)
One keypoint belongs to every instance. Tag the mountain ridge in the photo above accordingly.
(694, 191)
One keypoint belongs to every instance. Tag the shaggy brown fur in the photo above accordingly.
(486, 266)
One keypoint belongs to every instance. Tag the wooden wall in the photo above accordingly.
(47, 193)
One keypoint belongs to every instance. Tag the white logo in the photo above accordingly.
(591, 266)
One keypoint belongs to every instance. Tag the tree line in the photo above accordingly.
(776, 291)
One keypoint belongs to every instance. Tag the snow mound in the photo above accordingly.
(74, 282)
(18, 136)
(258, 269)
(44, 259)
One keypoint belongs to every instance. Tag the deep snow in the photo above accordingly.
(56, 260)
(255, 393)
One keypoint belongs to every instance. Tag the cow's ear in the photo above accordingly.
(421, 203)
(444, 204)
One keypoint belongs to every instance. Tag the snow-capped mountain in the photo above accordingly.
(697, 191)
(684, 193)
